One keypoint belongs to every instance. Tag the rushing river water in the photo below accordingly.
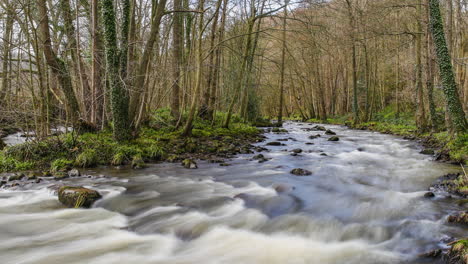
(363, 204)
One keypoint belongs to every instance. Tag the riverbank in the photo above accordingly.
(158, 141)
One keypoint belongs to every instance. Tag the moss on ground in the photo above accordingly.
(157, 141)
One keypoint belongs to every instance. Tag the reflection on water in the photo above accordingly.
(362, 204)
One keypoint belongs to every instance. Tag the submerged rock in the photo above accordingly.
(334, 138)
(275, 143)
(329, 132)
(314, 136)
(224, 164)
(75, 197)
(297, 151)
(189, 164)
(301, 172)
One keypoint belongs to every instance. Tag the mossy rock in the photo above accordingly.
(320, 128)
(329, 132)
(17, 177)
(301, 172)
(75, 197)
(189, 164)
(458, 253)
(334, 138)
(60, 175)
(137, 162)
(459, 218)
(314, 136)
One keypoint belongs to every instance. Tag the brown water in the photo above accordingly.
(360, 207)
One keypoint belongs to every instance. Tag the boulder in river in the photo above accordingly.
(297, 151)
(189, 164)
(314, 136)
(301, 172)
(429, 195)
(74, 173)
(329, 132)
(320, 128)
(334, 138)
(75, 197)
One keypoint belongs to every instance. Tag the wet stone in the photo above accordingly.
(334, 138)
(301, 172)
(60, 175)
(314, 136)
(319, 128)
(76, 197)
(74, 173)
(429, 195)
(459, 218)
(427, 152)
(189, 164)
(329, 132)
(275, 143)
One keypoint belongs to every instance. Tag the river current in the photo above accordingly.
(363, 204)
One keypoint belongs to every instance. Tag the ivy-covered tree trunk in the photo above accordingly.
(445, 68)
(118, 94)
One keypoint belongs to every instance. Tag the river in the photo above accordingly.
(363, 204)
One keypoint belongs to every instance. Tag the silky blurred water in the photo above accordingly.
(363, 204)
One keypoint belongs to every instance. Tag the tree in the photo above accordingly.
(447, 75)
(118, 94)
(57, 65)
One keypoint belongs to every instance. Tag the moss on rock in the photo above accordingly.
(75, 197)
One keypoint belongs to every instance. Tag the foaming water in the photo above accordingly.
(363, 204)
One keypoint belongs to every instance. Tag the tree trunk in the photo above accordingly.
(445, 68)
(6, 55)
(283, 55)
(118, 95)
(177, 33)
(58, 66)
(199, 59)
(97, 94)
